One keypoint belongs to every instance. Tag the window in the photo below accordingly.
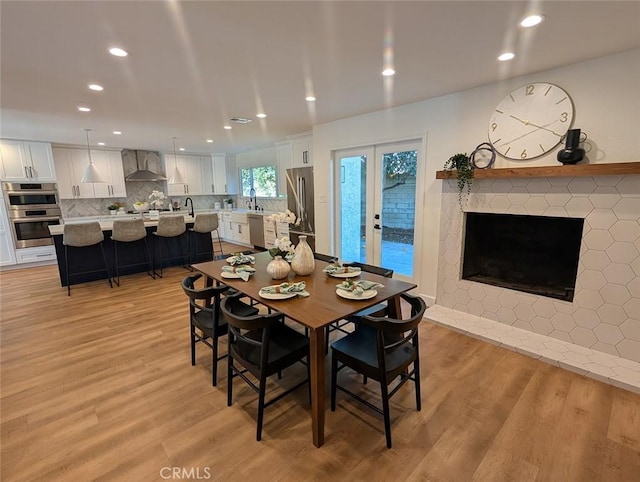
(262, 179)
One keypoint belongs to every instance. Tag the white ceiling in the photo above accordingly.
(193, 65)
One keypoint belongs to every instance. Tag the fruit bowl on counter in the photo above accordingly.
(141, 207)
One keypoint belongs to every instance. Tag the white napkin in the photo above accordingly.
(240, 258)
(339, 268)
(298, 288)
(244, 271)
(358, 287)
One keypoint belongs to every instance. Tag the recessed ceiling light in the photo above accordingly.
(181, 148)
(506, 56)
(118, 52)
(532, 20)
(96, 87)
(310, 98)
(101, 143)
(117, 132)
(227, 127)
(83, 108)
(210, 141)
(388, 72)
(261, 115)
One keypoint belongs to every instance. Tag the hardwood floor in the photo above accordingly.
(99, 385)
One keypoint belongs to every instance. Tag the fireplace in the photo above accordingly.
(533, 254)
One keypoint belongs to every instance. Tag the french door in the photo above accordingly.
(375, 205)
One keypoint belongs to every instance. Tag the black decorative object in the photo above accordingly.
(571, 154)
(483, 156)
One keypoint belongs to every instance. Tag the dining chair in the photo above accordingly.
(263, 345)
(78, 238)
(129, 231)
(383, 349)
(324, 257)
(379, 309)
(206, 322)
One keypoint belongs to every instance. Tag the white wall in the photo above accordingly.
(607, 107)
(260, 157)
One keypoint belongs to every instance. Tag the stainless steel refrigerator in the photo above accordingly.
(300, 202)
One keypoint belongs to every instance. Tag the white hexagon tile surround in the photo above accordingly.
(603, 321)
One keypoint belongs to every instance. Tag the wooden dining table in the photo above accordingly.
(316, 312)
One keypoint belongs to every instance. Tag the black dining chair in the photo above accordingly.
(324, 257)
(206, 322)
(383, 349)
(263, 345)
(379, 309)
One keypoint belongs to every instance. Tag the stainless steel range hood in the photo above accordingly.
(142, 172)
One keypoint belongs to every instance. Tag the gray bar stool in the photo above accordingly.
(204, 223)
(129, 231)
(169, 227)
(82, 236)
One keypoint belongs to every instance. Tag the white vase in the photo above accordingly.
(303, 262)
(278, 268)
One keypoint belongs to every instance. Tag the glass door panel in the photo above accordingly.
(352, 192)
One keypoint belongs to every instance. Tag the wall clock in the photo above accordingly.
(530, 121)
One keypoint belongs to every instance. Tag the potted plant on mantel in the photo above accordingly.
(464, 172)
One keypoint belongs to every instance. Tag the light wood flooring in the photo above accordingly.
(99, 385)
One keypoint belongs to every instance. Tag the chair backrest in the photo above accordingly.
(127, 230)
(206, 299)
(324, 257)
(169, 226)
(248, 335)
(205, 223)
(82, 234)
(369, 268)
(393, 334)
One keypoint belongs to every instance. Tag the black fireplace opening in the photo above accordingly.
(533, 254)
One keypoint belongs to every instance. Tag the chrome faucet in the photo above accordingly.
(186, 203)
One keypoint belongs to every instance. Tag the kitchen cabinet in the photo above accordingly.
(194, 172)
(27, 161)
(301, 152)
(219, 165)
(7, 253)
(37, 254)
(70, 165)
(236, 228)
(292, 153)
(283, 153)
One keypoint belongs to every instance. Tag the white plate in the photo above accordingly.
(367, 294)
(276, 296)
(230, 258)
(353, 274)
(230, 275)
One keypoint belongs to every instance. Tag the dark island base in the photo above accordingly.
(89, 260)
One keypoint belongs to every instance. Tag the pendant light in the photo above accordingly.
(91, 173)
(176, 177)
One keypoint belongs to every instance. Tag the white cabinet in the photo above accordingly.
(71, 164)
(221, 226)
(193, 171)
(236, 228)
(36, 255)
(219, 165)
(7, 253)
(301, 152)
(283, 153)
(27, 161)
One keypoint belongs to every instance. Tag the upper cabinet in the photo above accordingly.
(219, 163)
(301, 152)
(71, 164)
(193, 172)
(27, 161)
(292, 153)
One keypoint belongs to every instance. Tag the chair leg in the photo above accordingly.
(334, 380)
(106, 266)
(385, 410)
(416, 374)
(214, 361)
(147, 258)
(229, 380)
(193, 345)
(261, 393)
(66, 265)
(219, 242)
(115, 262)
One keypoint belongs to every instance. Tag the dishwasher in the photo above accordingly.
(256, 230)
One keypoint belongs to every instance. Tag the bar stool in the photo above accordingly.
(83, 236)
(204, 223)
(129, 231)
(169, 227)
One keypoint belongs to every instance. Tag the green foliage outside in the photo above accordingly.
(262, 179)
(399, 166)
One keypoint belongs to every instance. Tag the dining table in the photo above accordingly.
(316, 312)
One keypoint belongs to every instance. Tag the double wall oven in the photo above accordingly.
(32, 208)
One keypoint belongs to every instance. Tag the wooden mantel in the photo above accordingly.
(604, 169)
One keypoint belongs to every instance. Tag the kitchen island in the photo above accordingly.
(128, 254)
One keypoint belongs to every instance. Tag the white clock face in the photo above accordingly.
(530, 121)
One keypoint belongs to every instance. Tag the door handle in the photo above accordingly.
(26, 172)
(376, 226)
(376, 216)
